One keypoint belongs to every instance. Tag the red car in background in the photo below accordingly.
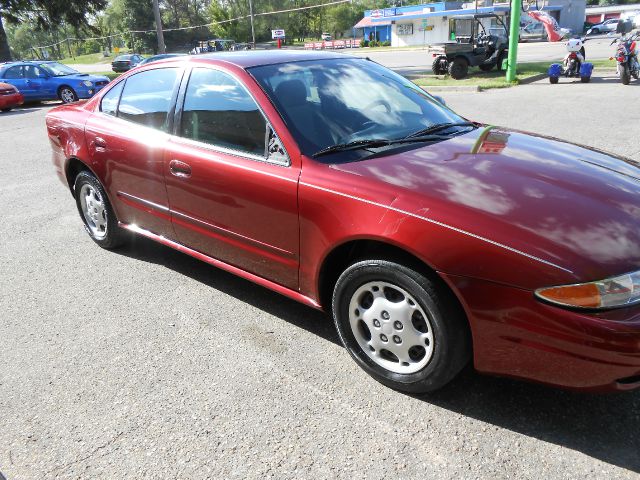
(10, 97)
(332, 180)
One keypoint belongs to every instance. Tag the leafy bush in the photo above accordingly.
(386, 43)
(364, 43)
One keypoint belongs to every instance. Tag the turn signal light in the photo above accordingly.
(614, 292)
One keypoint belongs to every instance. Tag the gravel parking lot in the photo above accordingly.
(145, 363)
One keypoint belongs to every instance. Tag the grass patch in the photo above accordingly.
(494, 78)
(91, 58)
(111, 75)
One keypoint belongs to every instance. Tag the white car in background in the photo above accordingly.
(605, 27)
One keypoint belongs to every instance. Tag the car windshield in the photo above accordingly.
(122, 58)
(329, 102)
(57, 69)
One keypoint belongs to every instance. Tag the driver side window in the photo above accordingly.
(219, 111)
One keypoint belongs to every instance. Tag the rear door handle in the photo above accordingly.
(100, 143)
(179, 169)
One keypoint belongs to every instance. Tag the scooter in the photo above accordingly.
(627, 58)
(573, 64)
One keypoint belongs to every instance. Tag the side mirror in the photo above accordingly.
(440, 99)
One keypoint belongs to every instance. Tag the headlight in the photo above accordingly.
(87, 83)
(610, 293)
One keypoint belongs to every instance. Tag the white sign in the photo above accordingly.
(377, 13)
(277, 34)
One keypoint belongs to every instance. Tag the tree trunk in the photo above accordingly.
(5, 51)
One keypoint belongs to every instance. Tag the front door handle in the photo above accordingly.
(179, 169)
(100, 143)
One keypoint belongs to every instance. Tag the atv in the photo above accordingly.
(474, 46)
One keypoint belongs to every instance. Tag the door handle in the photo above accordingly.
(100, 143)
(179, 169)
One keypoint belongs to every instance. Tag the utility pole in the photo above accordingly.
(253, 32)
(156, 14)
(514, 33)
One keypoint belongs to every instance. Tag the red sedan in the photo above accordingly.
(10, 97)
(432, 240)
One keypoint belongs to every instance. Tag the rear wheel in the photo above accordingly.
(585, 79)
(403, 329)
(439, 65)
(553, 80)
(96, 212)
(458, 68)
(8, 109)
(625, 74)
(67, 95)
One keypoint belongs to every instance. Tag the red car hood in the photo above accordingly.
(576, 207)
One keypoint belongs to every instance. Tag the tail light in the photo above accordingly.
(621, 59)
(632, 47)
(573, 55)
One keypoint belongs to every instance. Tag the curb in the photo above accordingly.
(451, 88)
(532, 78)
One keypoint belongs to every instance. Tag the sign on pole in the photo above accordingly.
(275, 34)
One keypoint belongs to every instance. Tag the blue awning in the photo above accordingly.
(446, 13)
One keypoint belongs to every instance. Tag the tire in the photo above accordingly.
(436, 66)
(625, 74)
(585, 79)
(458, 68)
(96, 212)
(417, 348)
(595, 31)
(553, 80)
(67, 94)
(8, 109)
(487, 67)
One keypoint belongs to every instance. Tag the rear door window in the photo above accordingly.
(146, 97)
(14, 72)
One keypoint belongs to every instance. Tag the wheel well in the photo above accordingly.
(74, 167)
(61, 87)
(341, 257)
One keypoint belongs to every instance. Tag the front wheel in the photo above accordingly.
(625, 74)
(585, 79)
(553, 80)
(96, 212)
(67, 95)
(404, 329)
(458, 68)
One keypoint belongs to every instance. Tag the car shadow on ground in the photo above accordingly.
(605, 427)
(20, 110)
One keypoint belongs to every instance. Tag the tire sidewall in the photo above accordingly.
(113, 237)
(439, 368)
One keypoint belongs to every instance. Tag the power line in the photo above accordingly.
(218, 22)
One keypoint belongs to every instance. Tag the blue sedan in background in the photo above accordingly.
(40, 80)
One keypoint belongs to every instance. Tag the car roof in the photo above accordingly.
(254, 58)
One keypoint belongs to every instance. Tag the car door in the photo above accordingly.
(126, 139)
(232, 188)
(33, 78)
(15, 76)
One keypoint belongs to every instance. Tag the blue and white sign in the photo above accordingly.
(277, 34)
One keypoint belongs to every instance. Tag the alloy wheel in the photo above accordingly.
(391, 327)
(94, 211)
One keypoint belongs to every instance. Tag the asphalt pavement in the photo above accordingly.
(145, 363)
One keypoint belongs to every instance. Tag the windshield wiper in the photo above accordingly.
(440, 126)
(376, 142)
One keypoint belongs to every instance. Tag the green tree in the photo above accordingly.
(46, 15)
